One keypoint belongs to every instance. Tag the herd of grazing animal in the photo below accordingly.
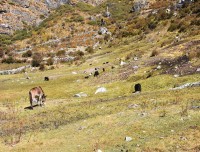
(37, 95)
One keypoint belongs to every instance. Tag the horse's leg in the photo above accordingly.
(31, 100)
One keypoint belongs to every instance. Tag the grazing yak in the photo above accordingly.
(46, 78)
(138, 88)
(96, 73)
(37, 95)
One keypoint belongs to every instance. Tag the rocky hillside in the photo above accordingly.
(17, 14)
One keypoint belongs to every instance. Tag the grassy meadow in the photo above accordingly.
(157, 119)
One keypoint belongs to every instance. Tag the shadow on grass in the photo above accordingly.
(31, 108)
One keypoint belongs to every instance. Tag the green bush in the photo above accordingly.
(60, 53)
(50, 61)
(80, 53)
(8, 60)
(77, 18)
(42, 67)
(93, 23)
(27, 54)
(89, 49)
(1, 53)
(37, 59)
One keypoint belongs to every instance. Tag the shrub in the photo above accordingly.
(42, 67)
(107, 37)
(27, 54)
(194, 54)
(1, 53)
(152, 25)
(174, 26)
(8, 60)
(89, 49)
(195, 22)
(154, 53)
(93, 23)
(80, 53)
(60, 53)
(50, 61)
(129, 56)
(37, 59)
(77, 18)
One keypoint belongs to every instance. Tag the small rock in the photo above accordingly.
(135, 58)
(159, 67)
(99, 150)
(122, 63)
(135, 67)
(183, 138)
(81, 94)
(128, 139)
(81, 127)
(176, 75)
(101, 90)
(198, 70)
(131, 106)
(74, 72)
(195, 107)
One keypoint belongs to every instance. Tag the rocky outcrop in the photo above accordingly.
(17, 14)
(14, 71)
(187, 85)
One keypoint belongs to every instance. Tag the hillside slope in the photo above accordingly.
(157, 46)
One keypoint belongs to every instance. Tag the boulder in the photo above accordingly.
(128, 139)
(81, 94)
(101, 90)
(187, 85)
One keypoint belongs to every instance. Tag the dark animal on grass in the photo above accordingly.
(138, 88)
(87, 77)
(104, 70)
(46, 78)
(96, 72)
(36, 95)
(112, 67)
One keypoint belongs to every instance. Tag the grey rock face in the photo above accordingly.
(187, 85)
(18, 13)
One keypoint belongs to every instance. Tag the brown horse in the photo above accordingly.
(37, 95)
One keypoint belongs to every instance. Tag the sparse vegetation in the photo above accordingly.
(37, 59)
(157, 119)
(27, 54)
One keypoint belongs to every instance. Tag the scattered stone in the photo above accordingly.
(143, 114)
(99, 150)
(176, 75)
(183, 138)
(128, 139)
(198, 70)
(74, 72)
(103, 30)
(133, 106)
(81, 127)
(81, 94)
(187, 85)
(135, 58)
(135, 67)
(159, 67)
(122, 63)
(195, 107)
(101, 90)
